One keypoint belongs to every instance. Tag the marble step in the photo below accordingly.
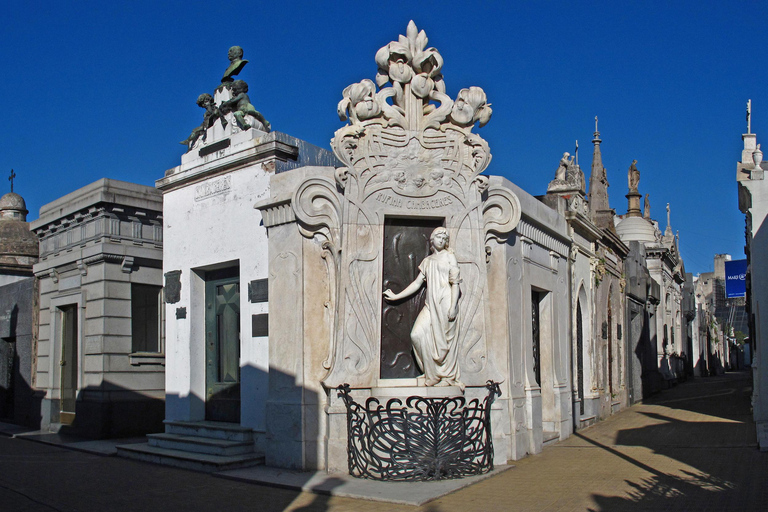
(209, 429)
(549, 438)
(199, 444)
(189, 460)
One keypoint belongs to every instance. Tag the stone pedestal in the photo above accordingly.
(633, 208)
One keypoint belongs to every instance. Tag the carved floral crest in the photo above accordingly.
(408, 151)
(410, 134)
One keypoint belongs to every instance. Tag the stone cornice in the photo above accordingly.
(262, 152)
(527, 228)
(613, 241)
(274, 214)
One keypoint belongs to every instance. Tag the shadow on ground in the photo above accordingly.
(703, 449)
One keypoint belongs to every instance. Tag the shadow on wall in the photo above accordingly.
(19, 402)
(292, 414)
(645, 351)
(111, 411)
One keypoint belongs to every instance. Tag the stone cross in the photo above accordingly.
(10, 178)
(595, 124)
(749, 117)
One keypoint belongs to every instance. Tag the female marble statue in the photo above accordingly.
(434, 334)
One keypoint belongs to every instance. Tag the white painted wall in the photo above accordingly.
(205, 232)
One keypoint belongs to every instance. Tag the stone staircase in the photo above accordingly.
(198, 445)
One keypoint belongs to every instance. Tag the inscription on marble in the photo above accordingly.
(414, 204)
(213, 188)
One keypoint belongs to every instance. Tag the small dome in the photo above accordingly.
(19, 246)
(12, 201)
(12, 206)
(635, 229)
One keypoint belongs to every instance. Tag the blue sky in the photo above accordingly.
(107, 89)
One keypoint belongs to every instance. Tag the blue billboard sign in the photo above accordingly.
(735, 278)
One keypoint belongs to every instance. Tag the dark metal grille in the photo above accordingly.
(425, 439)
(580, 357)
(536, 330)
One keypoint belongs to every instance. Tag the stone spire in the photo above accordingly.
(599, 209)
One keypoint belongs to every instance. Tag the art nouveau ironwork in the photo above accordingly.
(425, 439)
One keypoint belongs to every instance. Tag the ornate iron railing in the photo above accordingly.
(425, 439)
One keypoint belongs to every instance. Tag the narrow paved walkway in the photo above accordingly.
(690, 448)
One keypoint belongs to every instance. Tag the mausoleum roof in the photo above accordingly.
(635, 229)
(19, 247)
(13, 201)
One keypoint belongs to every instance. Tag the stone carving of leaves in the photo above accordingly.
(501, 213)
(317, 207)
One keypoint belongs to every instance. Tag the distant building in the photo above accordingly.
(18, 252)
(100, 351)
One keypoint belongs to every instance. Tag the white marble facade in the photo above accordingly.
(753, 202)
(417, 160)
(210, 225)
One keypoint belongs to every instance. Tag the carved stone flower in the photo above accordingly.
(394, 61)
(430, 63)
(422, 85)
(359, 101)
(471, 106)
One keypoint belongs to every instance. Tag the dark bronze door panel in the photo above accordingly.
(406, 244)
(68, 363)
(222, 350)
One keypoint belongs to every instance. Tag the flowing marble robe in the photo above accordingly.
(433, 335)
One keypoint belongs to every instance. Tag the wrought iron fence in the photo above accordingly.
(425, 439)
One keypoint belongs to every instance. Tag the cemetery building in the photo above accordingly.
(298, 281)
(223, 345)
(408, 174)
(99, 358)
(19, 403)
(665, 269)
(753, 203)
(610, 283)
(724, 316)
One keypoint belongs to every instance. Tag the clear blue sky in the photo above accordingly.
(107, 89)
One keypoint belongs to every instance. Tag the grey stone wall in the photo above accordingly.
(19, 403)
(95, 244)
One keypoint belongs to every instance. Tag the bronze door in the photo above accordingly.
(222, 323)
(406, 244)
(68, 364)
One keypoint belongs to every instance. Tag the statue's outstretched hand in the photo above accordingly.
(389, 294)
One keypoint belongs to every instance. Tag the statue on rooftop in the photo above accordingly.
(565, 163)
(236, 64)
(647, 209)
(240, 105)
(633, 176)
(212, 113)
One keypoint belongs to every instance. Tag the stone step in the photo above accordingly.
(189, 460)
(199, 444)
(549, 438)
(209, 429)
